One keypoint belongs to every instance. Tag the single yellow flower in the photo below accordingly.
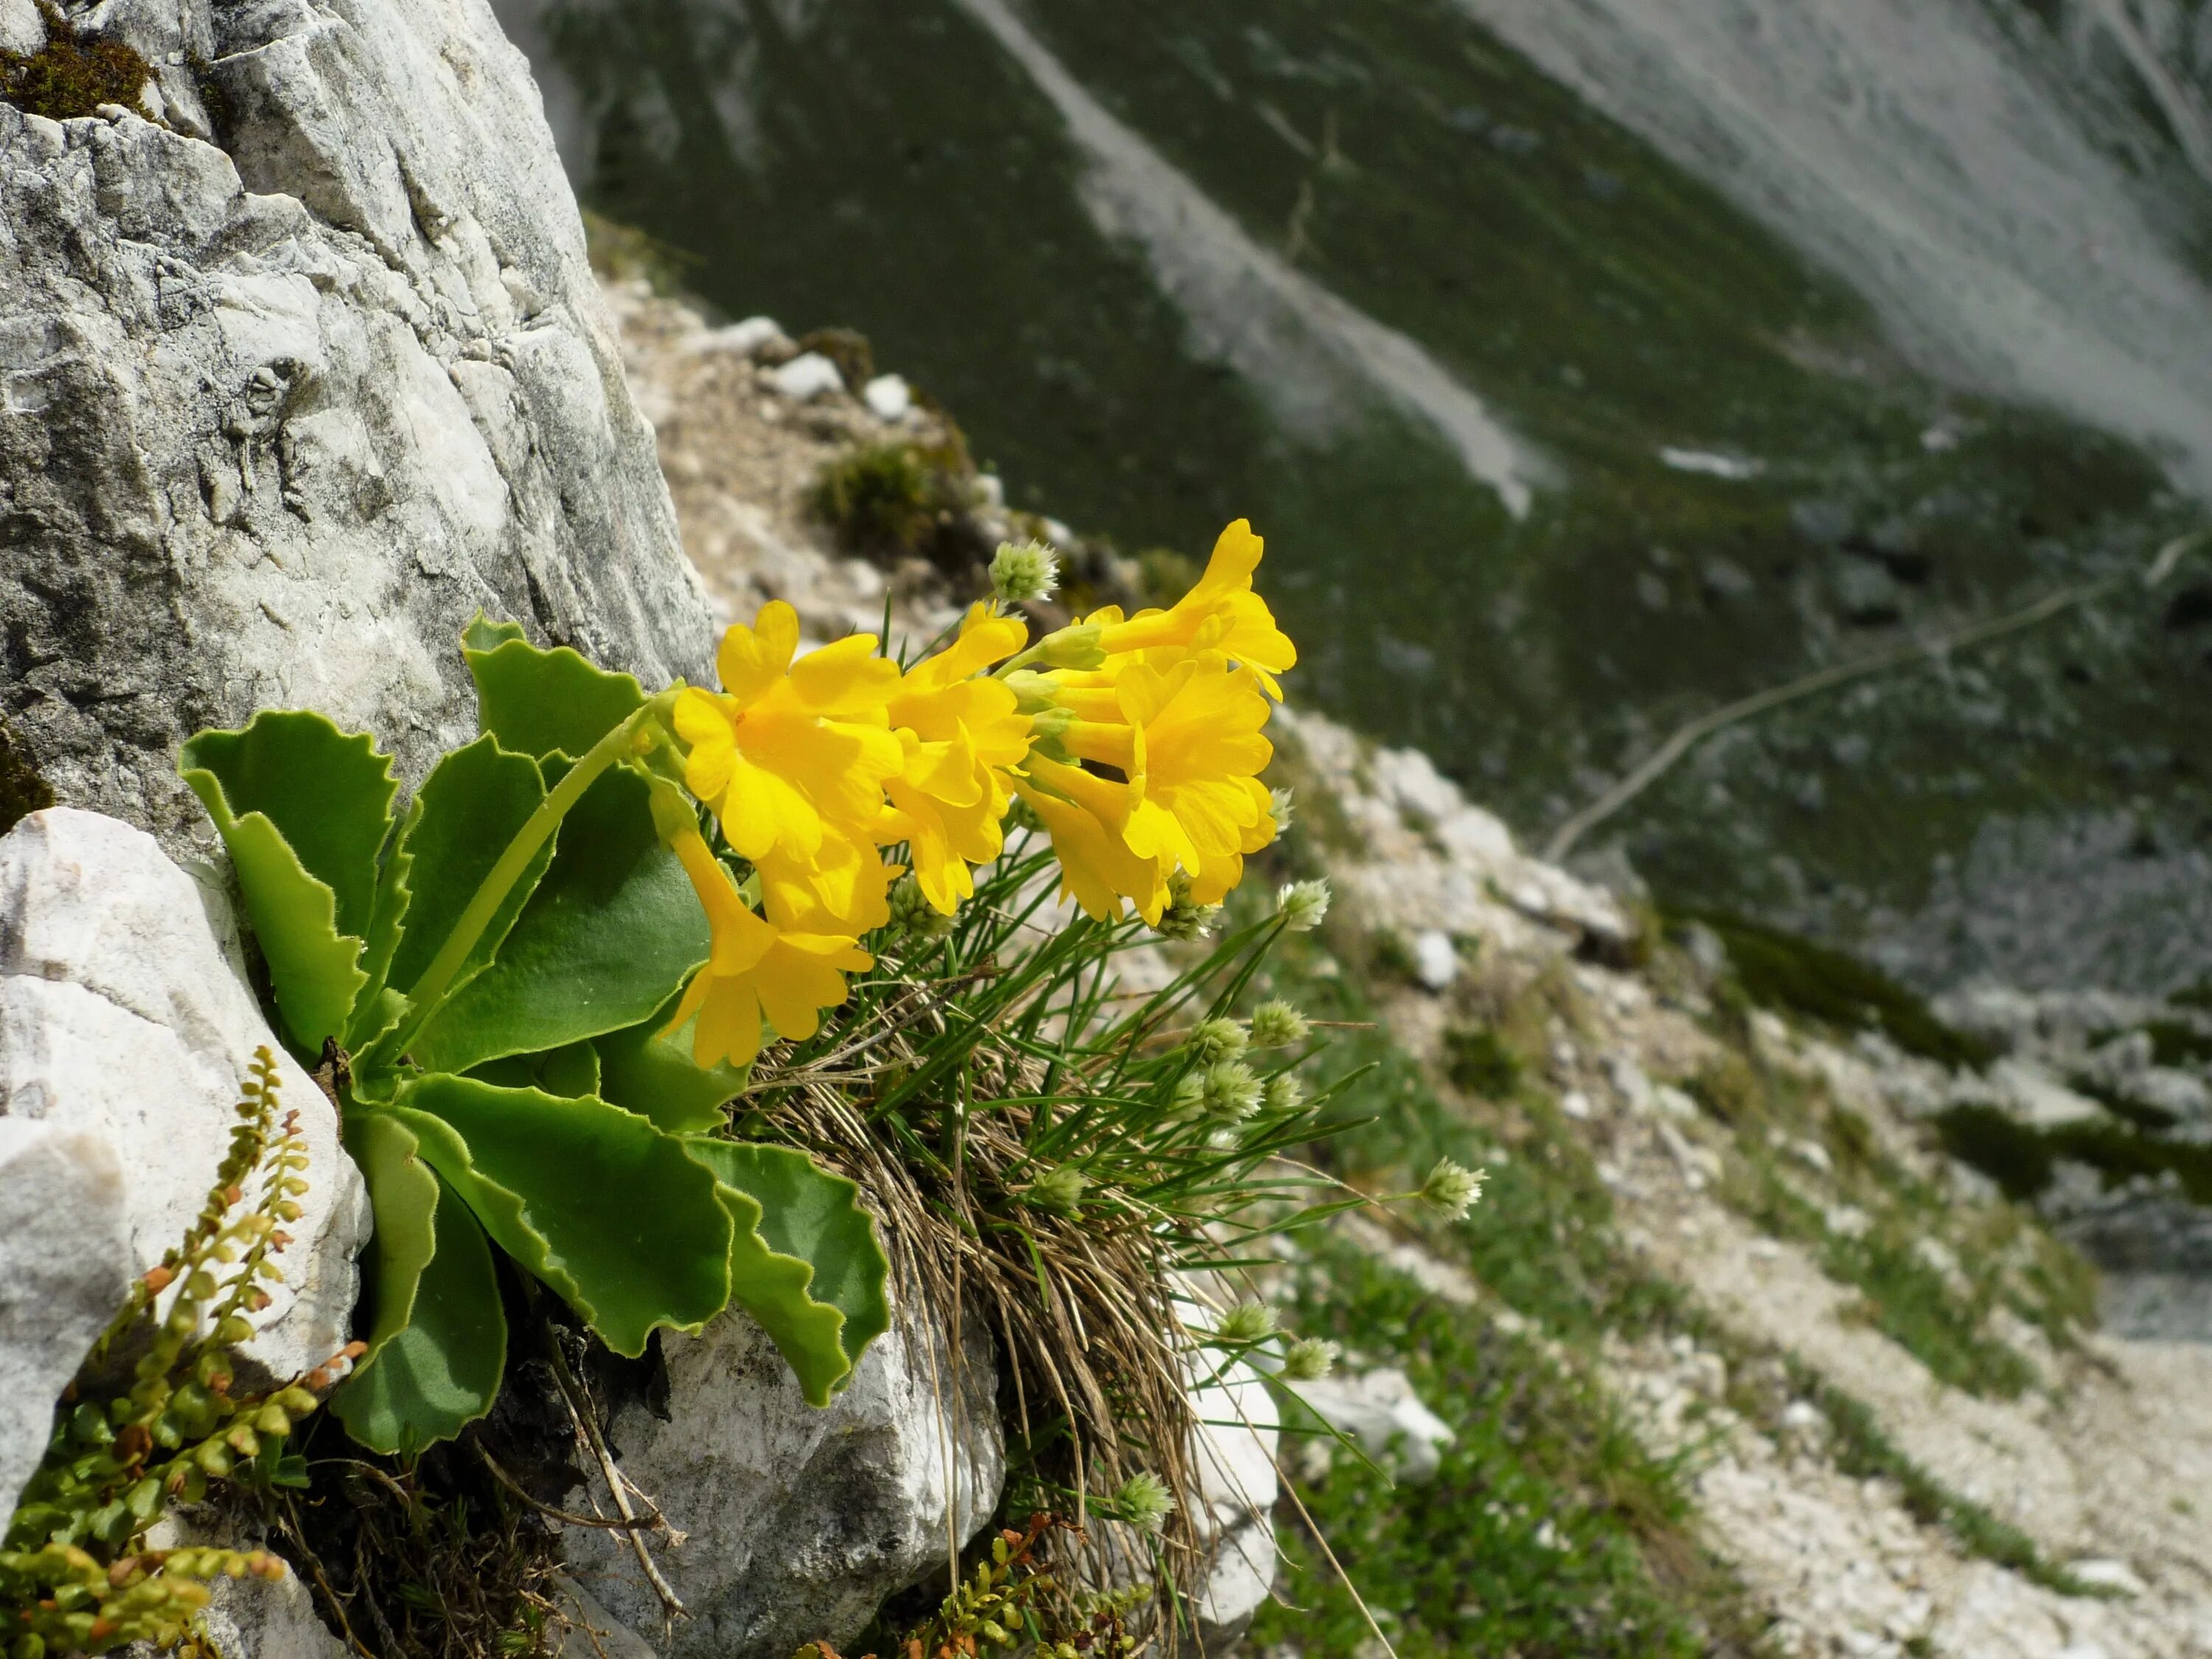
(1221, 613)
(1200, 804)
(755, 967)
(1096, 868)
(787, 753)
(961, 734)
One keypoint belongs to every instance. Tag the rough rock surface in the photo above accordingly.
(290, 394)
(799, 1521)
(125, 1026)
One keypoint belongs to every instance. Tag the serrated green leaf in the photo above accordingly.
(615, 1215)
(807, 1215)
(542, 702)
(651, 1073)
(376, 1006)
(441, 1370)
(483, 633)
(328, 794)
(303, 810)
(462, 818)
(403, 1194)
(612, 932)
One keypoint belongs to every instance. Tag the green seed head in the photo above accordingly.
(1025, 570)
(1301, 905)
(1276, 1024)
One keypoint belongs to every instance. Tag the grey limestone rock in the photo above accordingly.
(126, 1027)
(798, 1521)
(294, 384)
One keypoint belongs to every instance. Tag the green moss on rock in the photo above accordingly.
(69, 77)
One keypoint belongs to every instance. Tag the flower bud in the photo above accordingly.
(1308, 1359)
(914, 916)
(1144, 1501)
(1025, 570)
(1301, 905)
(1453, 1188)
(1183, 918)
(1276, 1024)
(1281, 808)
(1213, 1040)
(1246, 1323)
(1283, 1092)
(1059, 1189)
(1073, 647)
(1230, 1092)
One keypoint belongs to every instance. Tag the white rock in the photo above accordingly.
(125, 1028)
(296, 487)
(1234, 1462)
(1435, 958)
(746, 339)
(251, 1617)
(2028, 1091)
(1377, 1407)
(2111, 1575)
(807, 376)
(800, 1521)
(888, 397)
(59, 1283)
(22, 28)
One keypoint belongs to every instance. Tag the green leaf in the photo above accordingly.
(540, 703)
(616, 1216)
(376, 1007)
(470, 807)
(651, 1073)
(328, 795)
(612, 932)
(483, 633)
(568, 1071)
(304, 810)
(403, 1192)
(807, 1215)
(441, 1370)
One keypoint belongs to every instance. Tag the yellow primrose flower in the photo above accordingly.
(754, 968)
(788, 753)
(1185, 740)
(960, 734)
(1221, 613)
(1096, 868)
(1202, 804)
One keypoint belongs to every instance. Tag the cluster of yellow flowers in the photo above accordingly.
(1136, 741)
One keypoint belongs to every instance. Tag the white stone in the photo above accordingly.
(296, 486)
(807, 376)
(746, 339)
(1435, 958)
(1375, 1409)
(126, 1028)
(1235, 1462)
(64, 1256)
(800, 1521)
(2027, 1090)
(888, 397)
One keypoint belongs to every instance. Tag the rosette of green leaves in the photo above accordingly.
(520, 1099)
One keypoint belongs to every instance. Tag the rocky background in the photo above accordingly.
(305, 364)
(2097, 1463)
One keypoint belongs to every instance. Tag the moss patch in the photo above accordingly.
(1780, 970)
(69, 77)
(2022, 1160)
(895, 500)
